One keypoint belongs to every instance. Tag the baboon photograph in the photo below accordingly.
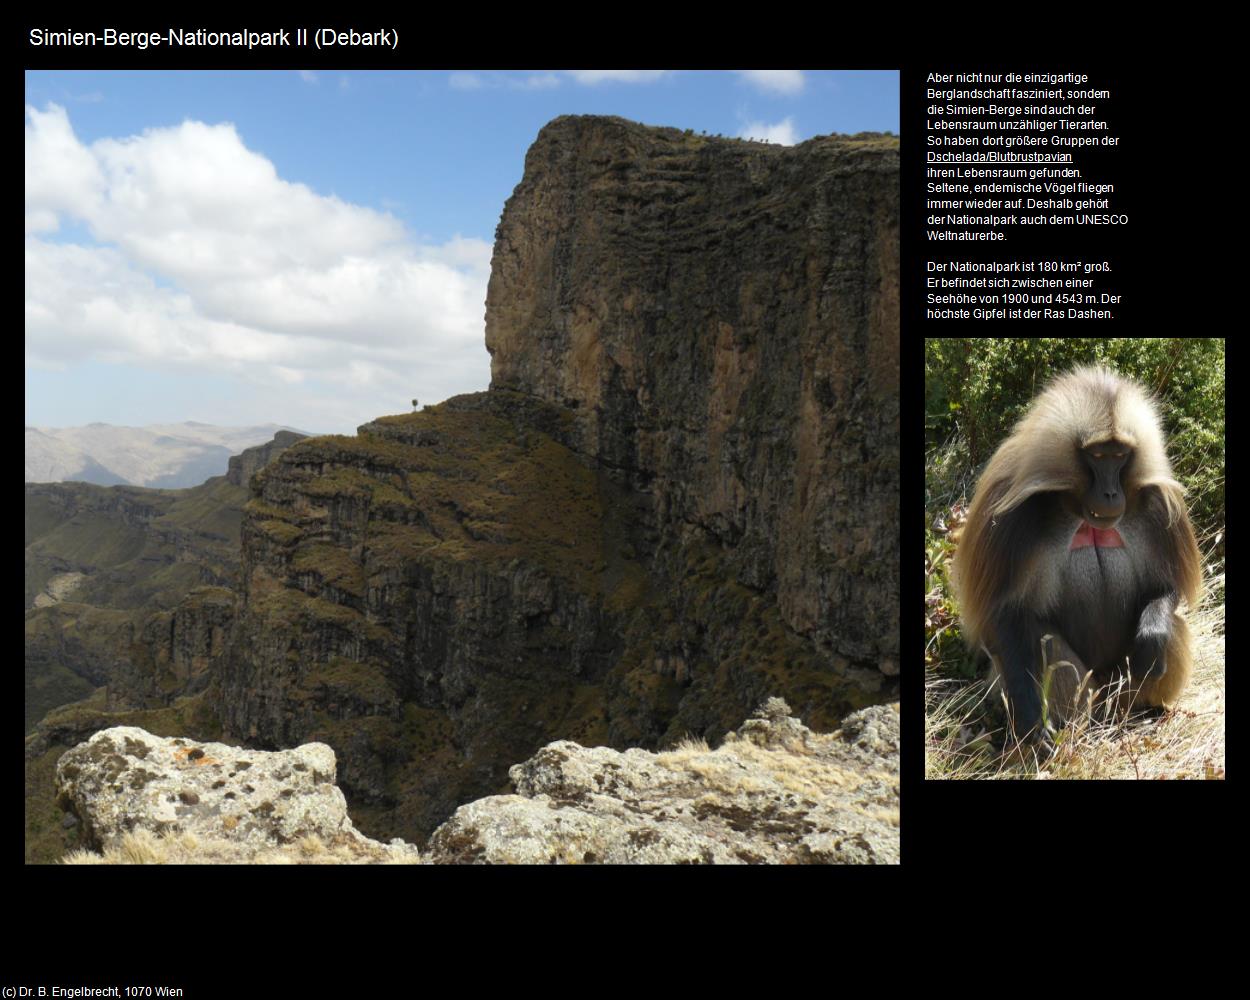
(1074, 558)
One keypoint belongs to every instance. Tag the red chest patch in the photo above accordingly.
(1103, 538)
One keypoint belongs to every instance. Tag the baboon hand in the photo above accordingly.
(1148, 661)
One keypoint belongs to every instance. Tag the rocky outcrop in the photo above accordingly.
(243, 466)
(124, 780)
(774, 792)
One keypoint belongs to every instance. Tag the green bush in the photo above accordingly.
(976, 389)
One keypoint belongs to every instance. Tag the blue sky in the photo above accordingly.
(312, 249)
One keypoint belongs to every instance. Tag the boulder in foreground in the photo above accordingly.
(773, 792)
(221, 803)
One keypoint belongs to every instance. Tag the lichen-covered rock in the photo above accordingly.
(774, 792)
(125, 780)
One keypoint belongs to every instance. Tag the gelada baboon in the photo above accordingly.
(1078, 535)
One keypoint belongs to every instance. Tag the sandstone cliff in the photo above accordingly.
(723, 319)
(680, 494)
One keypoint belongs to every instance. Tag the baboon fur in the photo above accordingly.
(1021, 582)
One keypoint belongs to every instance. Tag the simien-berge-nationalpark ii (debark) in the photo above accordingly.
(678, 499)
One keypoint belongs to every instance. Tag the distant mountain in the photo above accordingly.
(167, 456)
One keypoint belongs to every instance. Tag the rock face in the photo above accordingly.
(679, 496)
(243, 466)
(125, 779)
(723, 319)
(774, 792)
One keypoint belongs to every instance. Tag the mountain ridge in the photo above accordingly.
(161, 456)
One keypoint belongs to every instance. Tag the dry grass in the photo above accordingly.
(962, 740)
(686, 747)
(740, 768)
(145, 848)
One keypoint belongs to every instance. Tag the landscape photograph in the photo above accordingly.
(462, 467)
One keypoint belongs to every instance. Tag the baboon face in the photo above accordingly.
(1104, 501)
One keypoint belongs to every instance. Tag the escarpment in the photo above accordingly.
(678, 497)
(723, 319)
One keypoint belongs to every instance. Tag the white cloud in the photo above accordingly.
(782, 132)
(536, 81)
(209, 261)
(461, 252)
(775, 81)
(494, 81)
(61, 174)
(308, 76)
(592, 77)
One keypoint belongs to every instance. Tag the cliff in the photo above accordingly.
(679, 495)
(241, 467)
(722, 317)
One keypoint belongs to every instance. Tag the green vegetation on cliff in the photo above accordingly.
(467, 487)
(101, 562)
(450, 589)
